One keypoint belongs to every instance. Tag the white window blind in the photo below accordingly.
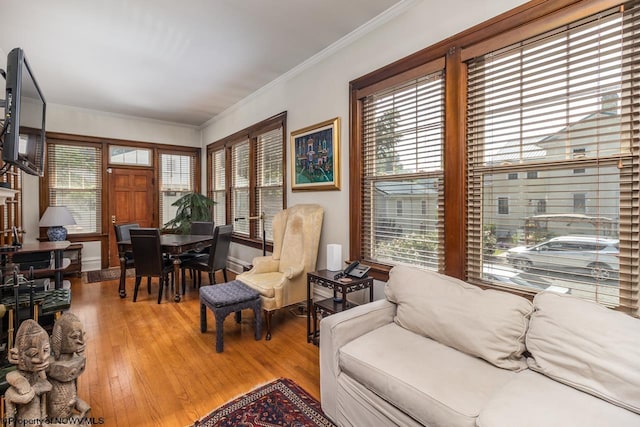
(240, 187)
(75, 181)
(217, 190)
(403, 134)
(559, 112)
(177, 178)
(270, 179)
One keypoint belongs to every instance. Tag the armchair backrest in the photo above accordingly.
(297, 235)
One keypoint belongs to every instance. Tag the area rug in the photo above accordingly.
(279, 403)
(105, 275)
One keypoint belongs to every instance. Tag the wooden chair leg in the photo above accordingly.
(224, 274)
(267, 320)
(212, 278)
(135, 288)
(149, 285)
(161, 280)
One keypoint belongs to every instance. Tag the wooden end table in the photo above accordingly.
(335, 304)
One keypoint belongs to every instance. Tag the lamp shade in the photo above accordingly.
(55, 217)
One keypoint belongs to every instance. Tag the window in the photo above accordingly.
(251, 164)
(503, 205)
(579, 203)
(563, 101)
(216, 187)
(240, 210)
(270, 177)
(541, 206)
(402, 174)
(512, 175)
(74, 176)
(130, 155)
(532, 175)
(177, 178)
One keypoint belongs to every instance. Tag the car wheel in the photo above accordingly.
(600, 271)
(523, 264)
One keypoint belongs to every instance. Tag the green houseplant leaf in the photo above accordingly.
(191, 207)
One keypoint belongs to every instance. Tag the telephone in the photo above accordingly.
(355, 269)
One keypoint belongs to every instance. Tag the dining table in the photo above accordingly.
(172, 245)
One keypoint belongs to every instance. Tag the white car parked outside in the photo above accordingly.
(597, 254)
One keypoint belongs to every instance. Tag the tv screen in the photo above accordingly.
(25, 113)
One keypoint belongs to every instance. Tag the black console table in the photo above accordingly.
(335, 304)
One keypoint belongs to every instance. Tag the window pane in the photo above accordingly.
(177, 178)
(129, 156)
(559, 103)
(403, 132)
(75, 181)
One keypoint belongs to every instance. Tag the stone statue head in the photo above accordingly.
(67, 336)
(32, 349)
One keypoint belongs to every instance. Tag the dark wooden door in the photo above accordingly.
(131, 200)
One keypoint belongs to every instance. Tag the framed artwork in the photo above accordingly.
(315, 157)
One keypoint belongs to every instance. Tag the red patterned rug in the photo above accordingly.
(279, 403)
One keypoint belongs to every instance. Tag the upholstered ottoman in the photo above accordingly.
(227, 298)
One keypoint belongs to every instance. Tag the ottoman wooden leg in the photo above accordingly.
(203, 318)
(238, 316)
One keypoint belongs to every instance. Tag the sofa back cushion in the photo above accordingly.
(483, 323)
(587, 346)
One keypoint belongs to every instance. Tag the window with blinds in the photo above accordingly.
(553, 166)
(75, 181)
(177, 178)
(269, 179)
(402, 143)
(216, 187)
(240, 187)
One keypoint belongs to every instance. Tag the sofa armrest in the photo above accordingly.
(336, 331)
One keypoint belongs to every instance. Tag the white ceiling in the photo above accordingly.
(181, 61)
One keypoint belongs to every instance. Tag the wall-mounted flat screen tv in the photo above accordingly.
(25, 114)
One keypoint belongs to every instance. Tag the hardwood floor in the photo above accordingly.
(149, 364)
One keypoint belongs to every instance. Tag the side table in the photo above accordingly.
(335, 304)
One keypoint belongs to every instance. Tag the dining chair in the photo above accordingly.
(122, 234)
(198, 228)
(149, 259)
(215, 260)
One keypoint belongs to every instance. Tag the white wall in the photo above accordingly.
(319, 90)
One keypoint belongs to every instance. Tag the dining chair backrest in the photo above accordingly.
(202, 227)
(122, 231)
(219, 250)
(147, 251)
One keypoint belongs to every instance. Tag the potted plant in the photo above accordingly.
(191, 207)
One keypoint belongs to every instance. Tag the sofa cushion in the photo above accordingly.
(533, 400)
(484, 323)
(431, 382)
(587, 346)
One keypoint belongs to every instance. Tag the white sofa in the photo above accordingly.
(441, 352)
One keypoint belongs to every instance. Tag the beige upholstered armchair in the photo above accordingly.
(281, 278)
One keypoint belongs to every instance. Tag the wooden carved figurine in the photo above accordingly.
(26, 397)
(66, 364)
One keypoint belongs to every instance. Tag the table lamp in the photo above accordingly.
(56, 217)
